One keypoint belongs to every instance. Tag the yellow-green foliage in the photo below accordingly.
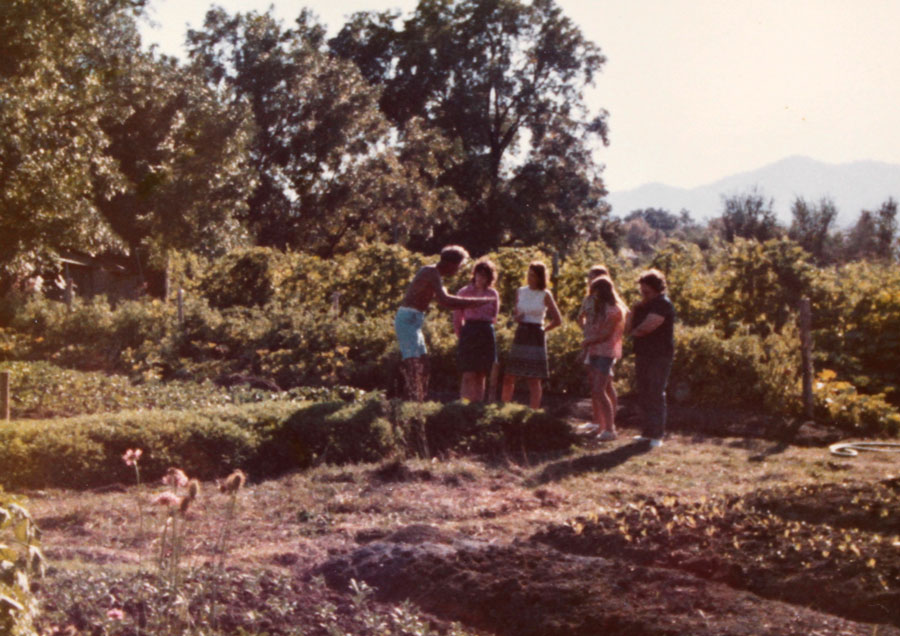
(745, 370)
(690, 279)
(265, 313)
(247, 277)
(841, 404)
(570, 285)
(20, 555)
(84, 451)
(860, 340)
(759, 285)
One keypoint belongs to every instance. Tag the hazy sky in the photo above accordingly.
(699, 89)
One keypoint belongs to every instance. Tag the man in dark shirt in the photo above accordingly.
(654, 347)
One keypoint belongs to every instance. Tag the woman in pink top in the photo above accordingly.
(474, 326)
(604, 329)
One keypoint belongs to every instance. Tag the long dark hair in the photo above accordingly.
(540, 270)
(604, 293)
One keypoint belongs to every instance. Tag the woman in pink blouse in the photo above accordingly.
(605, 316)
(474, 326)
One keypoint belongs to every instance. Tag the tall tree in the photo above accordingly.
(503, 81)
(319, 148)
(874, 236)
(749, 216)
(181, 148)
(861, 241)
(887, 230)
(51, 102)
(811, 227)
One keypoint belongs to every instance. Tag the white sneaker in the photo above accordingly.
(656, 443)
(607, 436)
(586, 428)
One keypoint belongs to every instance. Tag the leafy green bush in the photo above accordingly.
(758, 285)
(841, 404)
(745, 370)
(373, 278)
(265, 313)
(20, 555)
(246, 277)
(264, 439)
(40, 390)
(570, 285)
(481, 428)
(857, 327)
(690, 280)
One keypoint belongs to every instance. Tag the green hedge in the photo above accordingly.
(264, 439)
(265, 313)
(41, 390)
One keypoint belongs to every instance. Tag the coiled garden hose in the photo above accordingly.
(852, 449)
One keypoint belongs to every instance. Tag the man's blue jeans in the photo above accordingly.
(652, 375)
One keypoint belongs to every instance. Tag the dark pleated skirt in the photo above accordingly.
(477, 349)
(528, 355)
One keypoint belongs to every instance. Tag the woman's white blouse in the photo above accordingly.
(530, 303)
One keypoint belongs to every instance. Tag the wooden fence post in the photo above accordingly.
(806, 355)
(4, 395)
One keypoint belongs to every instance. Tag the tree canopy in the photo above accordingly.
(503, 81)
(52, 99)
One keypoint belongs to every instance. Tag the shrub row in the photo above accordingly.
(746, 370)
(263, 439)
(42, 390)
(264, 313)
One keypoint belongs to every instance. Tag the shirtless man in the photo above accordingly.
(427, 285)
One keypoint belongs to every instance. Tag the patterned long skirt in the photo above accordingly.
(528, 355)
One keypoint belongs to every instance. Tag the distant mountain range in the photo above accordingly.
(852, 186)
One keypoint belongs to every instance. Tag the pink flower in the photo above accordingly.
(166, 498)
(175, 477)
(115, 615)
(131, 456)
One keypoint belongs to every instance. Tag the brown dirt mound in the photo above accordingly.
(526, 590)
(825, 547)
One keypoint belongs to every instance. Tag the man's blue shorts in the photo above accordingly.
(408, 324)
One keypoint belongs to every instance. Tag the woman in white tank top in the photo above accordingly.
(528, 355)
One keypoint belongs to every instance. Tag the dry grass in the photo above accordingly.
(299, 519)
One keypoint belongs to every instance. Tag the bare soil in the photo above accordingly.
(727, 529)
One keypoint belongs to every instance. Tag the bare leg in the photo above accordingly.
(492, 384)
(424, 372)
(599, 394)
(509, 387)
(476, 387)
(535, 392)
(614, 400)
(469, 387)
(596, 407)
(409, 371)
(415, 378)
(596, 415)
